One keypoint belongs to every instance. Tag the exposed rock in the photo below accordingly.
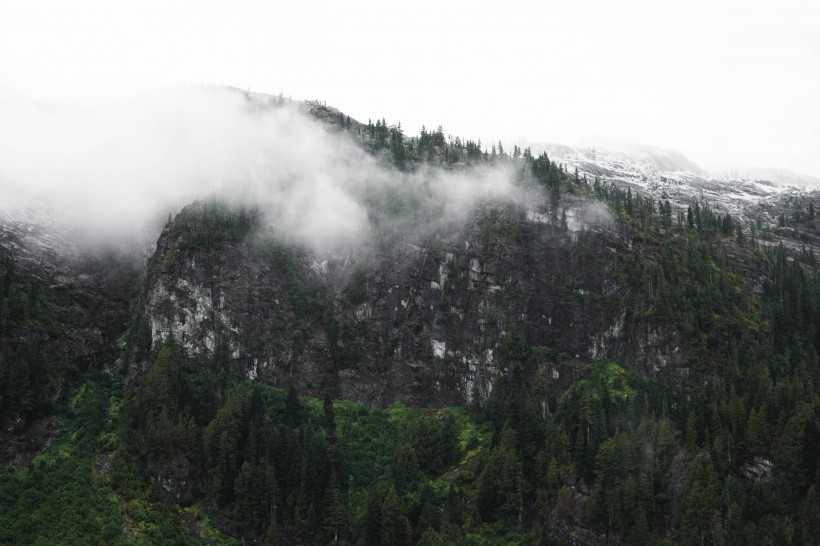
(759, 468)
(87, 291)
(19, 447)
(423, 322)
(175, 478)
(566, 521)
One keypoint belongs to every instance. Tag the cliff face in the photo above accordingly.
(62, 308)
(427, 321)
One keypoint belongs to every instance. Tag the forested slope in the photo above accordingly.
(675, 401)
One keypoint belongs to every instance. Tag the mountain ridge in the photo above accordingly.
(625, 355)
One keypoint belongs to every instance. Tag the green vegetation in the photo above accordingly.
(279, 465)
(209, 223)
(65, 496)
(727, 455)
(757, 355)
(27, 321)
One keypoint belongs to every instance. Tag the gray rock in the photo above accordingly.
(427, 323)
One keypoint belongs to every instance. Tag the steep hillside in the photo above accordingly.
(607, 357)
(62, 308)
(664, 174)
(424, 322)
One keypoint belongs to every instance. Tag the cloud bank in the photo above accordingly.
(117, 169)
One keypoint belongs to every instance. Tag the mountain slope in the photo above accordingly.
(424, 322)
(633, 363)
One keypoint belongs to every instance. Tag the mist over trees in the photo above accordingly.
(202, 453)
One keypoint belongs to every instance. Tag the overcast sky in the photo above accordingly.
(730, 84)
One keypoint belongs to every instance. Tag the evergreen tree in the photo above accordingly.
(394, 523)
(428, 517)
(629, 206)
(374, 516)
(405, 466)
(700, 503)
(333, 513)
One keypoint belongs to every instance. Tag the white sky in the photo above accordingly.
(731, 84)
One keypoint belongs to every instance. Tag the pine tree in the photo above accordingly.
(512, 488)
(330, 436)
(374, 515)
(629, 206)
(393, 520)
(451, 514)
(700, 502)
(333, 513)
(293, 409)
(428, 517)
(405, 466)
(243, 512)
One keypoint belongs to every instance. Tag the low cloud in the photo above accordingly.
(116, 170)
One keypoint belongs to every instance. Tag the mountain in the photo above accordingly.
(423, 322)
(758, 199)
(546, 346)
(666, 174)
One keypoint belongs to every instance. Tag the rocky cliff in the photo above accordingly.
(427, 321)
(62, 308)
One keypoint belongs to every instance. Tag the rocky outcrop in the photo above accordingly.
(758, 468)
(87, 287)
(75, 304)
(425, 321)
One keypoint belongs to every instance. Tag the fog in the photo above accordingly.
(731, 84)
(114, 171)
